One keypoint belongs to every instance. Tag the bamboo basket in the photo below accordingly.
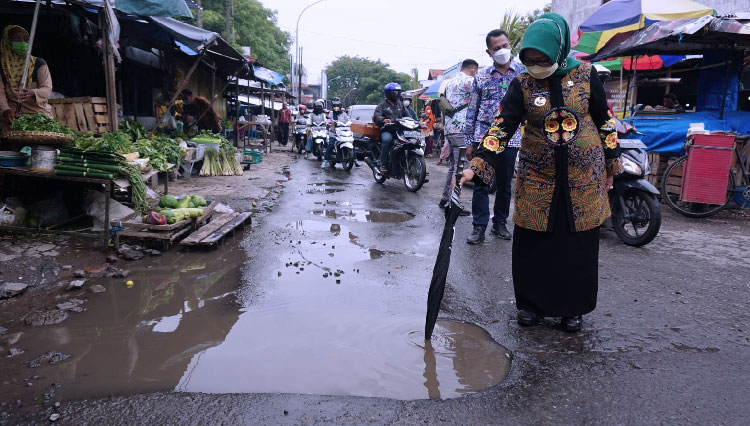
(39, 138)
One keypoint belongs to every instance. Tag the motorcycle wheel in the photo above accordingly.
(646, 221)
(415, 173)
(300, 146)
(379, 177)
(347, 158)
(671, 188)
(318, 153)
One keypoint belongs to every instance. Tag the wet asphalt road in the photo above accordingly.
(669, 342)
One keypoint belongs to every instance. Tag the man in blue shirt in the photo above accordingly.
(490, 86)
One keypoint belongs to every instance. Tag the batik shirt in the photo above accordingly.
(458, 93)
(569, 130)
(490, 86)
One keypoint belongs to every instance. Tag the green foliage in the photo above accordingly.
(39, 123)
(362, 80)
(252, 25)
(515, 25)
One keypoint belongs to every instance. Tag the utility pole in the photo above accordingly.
(299, 77)
(298, 50)
(199, 13)
(228, 31)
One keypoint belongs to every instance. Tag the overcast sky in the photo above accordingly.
(402, 33)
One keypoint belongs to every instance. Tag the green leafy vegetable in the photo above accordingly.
(40, 123)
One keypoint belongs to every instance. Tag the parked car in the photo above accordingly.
(363, 128)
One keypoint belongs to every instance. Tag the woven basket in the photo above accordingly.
(44, 138)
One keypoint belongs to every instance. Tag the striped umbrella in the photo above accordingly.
(620, 16)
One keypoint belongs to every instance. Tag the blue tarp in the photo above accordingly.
(667, 135)
(154, 7)
(271, 77)
(711, 83)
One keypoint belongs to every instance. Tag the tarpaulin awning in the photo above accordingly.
(255, 100)
(680, 37)
(154, 7)
(667, 134)
(271, 77)
(619, 16)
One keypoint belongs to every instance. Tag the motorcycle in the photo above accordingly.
(319, 135)
(636, 212)
(407, 155)
(300, 135)
(343, 149)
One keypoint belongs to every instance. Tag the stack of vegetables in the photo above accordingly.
(218, 163)
(173, 210)
(102, 165)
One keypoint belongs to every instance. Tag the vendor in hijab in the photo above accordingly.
(13, 47)
(568, 156)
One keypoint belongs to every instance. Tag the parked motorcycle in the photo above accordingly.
(636, 212)
(343, 149)
(300, 134)
(407, 155)
(319, 135)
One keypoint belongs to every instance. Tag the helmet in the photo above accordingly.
(405, 96)
(392, 91)
(302, 109)
(319, 103)
(336, 102)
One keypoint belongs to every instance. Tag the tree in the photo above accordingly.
(362, 80)
(251, 25)
(515, 25)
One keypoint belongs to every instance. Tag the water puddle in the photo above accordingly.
(361, 215)
(318, 319)
(329, 187)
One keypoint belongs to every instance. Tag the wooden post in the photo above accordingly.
(109, 74)
(237, 112)
(199, 13)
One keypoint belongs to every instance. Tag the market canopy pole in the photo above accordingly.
(28, 53)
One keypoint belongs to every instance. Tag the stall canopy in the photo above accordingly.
(268, 76)
(178, 8)
(680, 37)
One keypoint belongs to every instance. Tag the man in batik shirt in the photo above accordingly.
(490, 86)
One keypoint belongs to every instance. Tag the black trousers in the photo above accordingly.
(283, 133)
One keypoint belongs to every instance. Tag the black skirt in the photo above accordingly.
(556, 274)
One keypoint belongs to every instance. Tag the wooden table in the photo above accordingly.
(21, 171)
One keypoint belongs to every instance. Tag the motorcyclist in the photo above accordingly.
(388, 111)
(317, 116)
(337, 114)
(302, 116)
(406, 100)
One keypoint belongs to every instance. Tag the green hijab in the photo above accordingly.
(550, 35)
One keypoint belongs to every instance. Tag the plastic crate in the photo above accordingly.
(251, 156)
(706, 175)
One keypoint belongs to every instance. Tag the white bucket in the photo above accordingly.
(43, 159)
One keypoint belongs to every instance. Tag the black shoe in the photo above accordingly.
(501, 231)
(443, 204)
(527, 318)
(571, 324)
(464, 212)
(477, 235)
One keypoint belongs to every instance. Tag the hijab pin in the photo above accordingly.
(540, 101)
(570, 83)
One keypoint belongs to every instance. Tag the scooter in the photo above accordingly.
(319, 135)
(343, 149)
(636, 212)
(300, 134)
(407, 155)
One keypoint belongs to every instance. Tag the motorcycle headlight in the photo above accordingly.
(631, 167)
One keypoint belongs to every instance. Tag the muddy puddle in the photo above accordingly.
(325, 323)
(362, 215)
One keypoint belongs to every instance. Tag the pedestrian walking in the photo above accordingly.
(490, 86)
(285, 118)
(458, 93)
(428, 120)
(568, 158)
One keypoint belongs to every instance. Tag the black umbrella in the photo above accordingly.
(443, 261)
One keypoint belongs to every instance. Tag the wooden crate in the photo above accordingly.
(659, 164)
(82, 115)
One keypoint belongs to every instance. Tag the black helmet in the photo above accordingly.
(318, 106)
(392, 91)
(336, 103)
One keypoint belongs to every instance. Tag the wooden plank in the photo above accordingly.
(229, 227)
(99, 108)
(218, 220)
(101, 119)
(88, 115)
(79, 117)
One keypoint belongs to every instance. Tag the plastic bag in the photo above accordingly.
(48, 211)
(94, 207)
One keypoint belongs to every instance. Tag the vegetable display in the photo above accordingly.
(40, 123)
(177, 210)
(102, 165)
(220, 163)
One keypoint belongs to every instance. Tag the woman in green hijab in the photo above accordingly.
(568, 157)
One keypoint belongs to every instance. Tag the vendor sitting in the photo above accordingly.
(671, 102)
(13, 47)
(200, 109)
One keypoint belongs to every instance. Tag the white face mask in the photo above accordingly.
(540, 73)
(501, 57)
(407, 103)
